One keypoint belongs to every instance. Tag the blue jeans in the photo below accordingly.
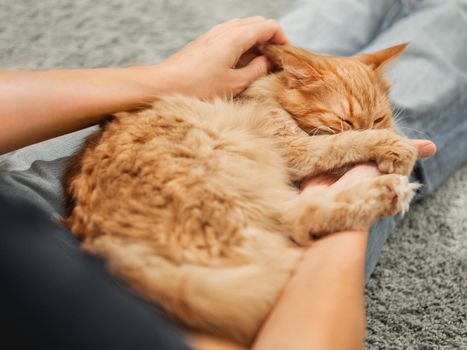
(430, 90)
(429, 80)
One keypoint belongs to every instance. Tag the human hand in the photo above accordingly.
(206, 66)
(360, 172)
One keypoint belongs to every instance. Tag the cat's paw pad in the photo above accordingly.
(397, 157)
(399, 193)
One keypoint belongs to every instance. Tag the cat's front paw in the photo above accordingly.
(396, 155)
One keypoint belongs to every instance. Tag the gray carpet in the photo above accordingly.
(417, 297)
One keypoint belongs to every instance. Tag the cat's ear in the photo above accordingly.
(273, 53)
(379, 59)
(299, 73)
(300, 66)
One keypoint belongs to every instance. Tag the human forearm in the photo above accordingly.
(51, 103)
(322, 307)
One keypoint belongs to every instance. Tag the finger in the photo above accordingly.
(266, 31)
(244, 37)
(240, 22)
(426, 148)
(256, 69)
(366, 170)
(357, 174)
(218, 29)
(250, 20)
(250, 24)
(326, 180)
(279, 36)
(344, 177)
(224, 27)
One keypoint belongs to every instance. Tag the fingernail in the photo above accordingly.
(428, 149)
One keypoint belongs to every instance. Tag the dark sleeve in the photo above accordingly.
(52, 296)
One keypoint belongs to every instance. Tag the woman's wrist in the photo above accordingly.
(346, 247)
(155, 81)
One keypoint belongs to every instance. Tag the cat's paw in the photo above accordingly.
(396, 192)
(396, 155)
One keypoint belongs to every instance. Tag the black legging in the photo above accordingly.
(52, 296)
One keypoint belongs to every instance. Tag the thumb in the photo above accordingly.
(256, 69)
(426, 148)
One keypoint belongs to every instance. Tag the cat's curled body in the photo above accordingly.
(192, 202)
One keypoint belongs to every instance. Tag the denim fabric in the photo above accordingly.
(429, 90)
(35, 172)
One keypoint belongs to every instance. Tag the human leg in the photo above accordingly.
(339, 27)
(430, 94)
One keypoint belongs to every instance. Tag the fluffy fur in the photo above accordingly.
(192, 202)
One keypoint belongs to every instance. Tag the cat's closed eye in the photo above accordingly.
(379, 120)
(346, 121)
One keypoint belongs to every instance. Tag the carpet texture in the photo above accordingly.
(417, 297)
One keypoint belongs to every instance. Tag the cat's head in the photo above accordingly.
(327, 94)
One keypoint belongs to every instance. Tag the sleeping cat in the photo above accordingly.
(192, 203)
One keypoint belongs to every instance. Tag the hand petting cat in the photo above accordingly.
(206, 66)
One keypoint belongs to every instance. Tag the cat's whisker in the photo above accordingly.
(398, 113)
(399, 119)
(415, 131)
(326, 129)
(399, 116)
(342, 125)
(316, 130)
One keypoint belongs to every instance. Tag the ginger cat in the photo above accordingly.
(191, 202)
